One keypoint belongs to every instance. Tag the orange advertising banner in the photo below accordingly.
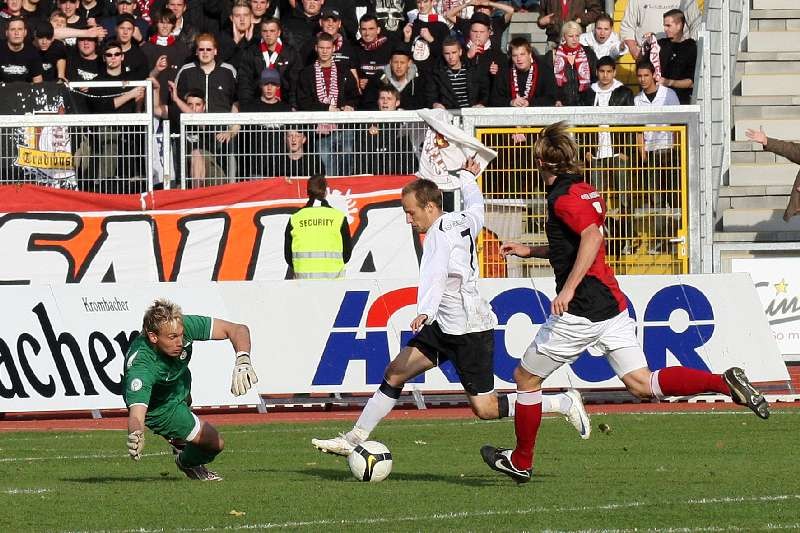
(228, 232)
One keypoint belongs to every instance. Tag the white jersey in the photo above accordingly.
(657, 140)
(448, 276)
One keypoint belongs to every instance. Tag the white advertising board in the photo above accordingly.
(777, 282)
(59, 350)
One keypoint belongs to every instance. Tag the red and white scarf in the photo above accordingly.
(271, 57)
(430, 18)
(169, 40)
(530, 84)
(327, 94)
(653, 49)
(580, 64)
(377, 43)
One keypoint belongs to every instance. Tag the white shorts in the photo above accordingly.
(562, 339)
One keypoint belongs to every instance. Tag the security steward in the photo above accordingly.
(318, 242)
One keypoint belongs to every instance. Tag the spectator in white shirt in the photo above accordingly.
(603, 39)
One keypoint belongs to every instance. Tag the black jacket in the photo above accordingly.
(440, 90)
(307, 90)
(543, 94)
(252, 64)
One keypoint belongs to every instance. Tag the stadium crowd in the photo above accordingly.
(341, 55)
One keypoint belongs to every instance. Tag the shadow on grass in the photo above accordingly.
(122, 479)
(338, 474)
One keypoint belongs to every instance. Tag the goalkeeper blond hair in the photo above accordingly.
(162, 311)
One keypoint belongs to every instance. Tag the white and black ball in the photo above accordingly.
(370, 461)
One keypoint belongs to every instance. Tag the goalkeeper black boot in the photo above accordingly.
(743, 393)
(499, 459)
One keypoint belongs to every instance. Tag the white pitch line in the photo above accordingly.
(24, 491)
(489, 513)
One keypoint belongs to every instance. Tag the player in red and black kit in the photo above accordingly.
(588, 310)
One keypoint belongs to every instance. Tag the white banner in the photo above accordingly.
(777, 281)
(61, 347)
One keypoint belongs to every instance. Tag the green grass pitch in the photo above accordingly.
(725, 471)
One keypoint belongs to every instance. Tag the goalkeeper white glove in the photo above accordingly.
(136, 444)
(244, 376)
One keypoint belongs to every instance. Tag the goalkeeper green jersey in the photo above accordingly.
(156, 379)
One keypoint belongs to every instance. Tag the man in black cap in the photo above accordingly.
(270, 99)
(53, 53)
(125, 7)
(135, 63)
(480, 53)
(259, 142)
(344, 53)
(499, 23)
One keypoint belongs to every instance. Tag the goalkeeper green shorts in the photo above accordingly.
(177, 422)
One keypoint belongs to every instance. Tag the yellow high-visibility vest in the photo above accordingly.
(317, 243)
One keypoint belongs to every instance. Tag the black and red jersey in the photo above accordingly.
(572, 206)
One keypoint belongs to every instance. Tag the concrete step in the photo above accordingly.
(758, 220)
(782, 24)
(758, 14)
(760, 157)
(756, 236)
(766, 100)
(765, 111)
(768, 56)
(745, 146)
(729, 191)
(775, 4)
(788, 129)
(771, 67)
(762, 174)
(769, 41)
(771, 84)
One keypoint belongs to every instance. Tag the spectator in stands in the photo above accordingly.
(373, 52)
(135, 63)
(163, 44)
(262, 141)
(325, 86)
(83, 63)
(608, 164)
(385, 146)
(499, 23)
(574, 66)
(216, 82)
(454, 84)
(19, 61)
(115, 164)
(553, 14)
(402, 74)
(659, 156)
(344, 53)
(235, 43)
(295, 161)
(52, 53)
(790, 151)
(206, 163)
(270, 52)
(34, 11)
(481, 55)
(124, 8)
(184, 30)
(317, 238)
(527, 81)
(263, 10)
(73, 19)
(61, 32)
(678, 56)
(645, 17)
(425, 34)
(302, 23)
(93, 10)
(13, 8)
(603, 39)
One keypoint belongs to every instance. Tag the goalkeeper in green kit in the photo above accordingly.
(158, 384)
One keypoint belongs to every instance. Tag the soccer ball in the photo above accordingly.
(370, 461)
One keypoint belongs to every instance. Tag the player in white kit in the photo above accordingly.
(453, 322)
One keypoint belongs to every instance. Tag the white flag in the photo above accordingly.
(445, 149)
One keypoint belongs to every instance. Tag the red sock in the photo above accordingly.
(683, 381)
(527, 418)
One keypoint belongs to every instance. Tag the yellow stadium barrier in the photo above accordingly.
(645, 195)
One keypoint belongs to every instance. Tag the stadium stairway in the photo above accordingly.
(768, 93)
(524, 25)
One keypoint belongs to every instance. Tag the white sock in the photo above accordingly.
(556, 403)
(512, 403)
(376, 410)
